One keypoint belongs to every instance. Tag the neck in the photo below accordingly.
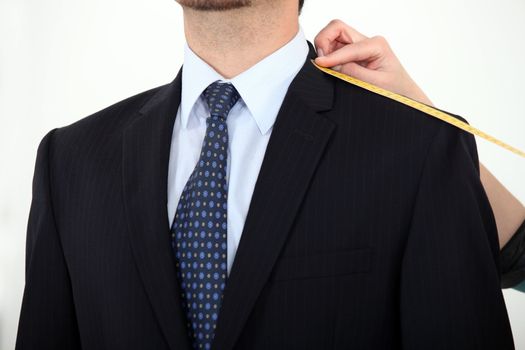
(232, 41)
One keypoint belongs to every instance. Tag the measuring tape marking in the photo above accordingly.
(421, 107)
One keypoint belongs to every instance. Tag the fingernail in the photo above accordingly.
(320, 52)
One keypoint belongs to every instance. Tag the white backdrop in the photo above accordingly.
(62, 60)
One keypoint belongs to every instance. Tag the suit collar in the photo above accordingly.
(297, 143)
(312, 86)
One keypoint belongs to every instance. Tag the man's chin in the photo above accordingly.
(214, 5)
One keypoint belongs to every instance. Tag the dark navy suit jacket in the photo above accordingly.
(368, 229)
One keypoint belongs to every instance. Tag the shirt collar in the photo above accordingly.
(262, 87)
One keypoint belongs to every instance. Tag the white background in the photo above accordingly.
(63, 60)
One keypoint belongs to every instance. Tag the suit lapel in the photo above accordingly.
(299, 137)
(146, 146)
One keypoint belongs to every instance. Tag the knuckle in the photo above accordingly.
(336, 21)
(380, 39)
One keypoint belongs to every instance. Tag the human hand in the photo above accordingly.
(344, 49)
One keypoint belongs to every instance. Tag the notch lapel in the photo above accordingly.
(146, 147)
(299, 137)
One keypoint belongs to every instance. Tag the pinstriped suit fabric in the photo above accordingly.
(368, 229)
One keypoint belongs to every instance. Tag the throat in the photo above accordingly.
(232, 41)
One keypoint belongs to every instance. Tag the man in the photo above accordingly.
(302, 212)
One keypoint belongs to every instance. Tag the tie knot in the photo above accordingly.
(220, 97)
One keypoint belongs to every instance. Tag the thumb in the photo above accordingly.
(359, 72)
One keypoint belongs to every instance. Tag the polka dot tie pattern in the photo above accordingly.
(198, 233)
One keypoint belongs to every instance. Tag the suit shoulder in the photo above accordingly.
(97, 135)
(112, 118)
(367, 104)
(396, 128)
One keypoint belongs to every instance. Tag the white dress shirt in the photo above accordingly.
(262, 89)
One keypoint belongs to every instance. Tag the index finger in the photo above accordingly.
(364, 50)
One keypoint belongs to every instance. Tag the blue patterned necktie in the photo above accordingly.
(198, 233)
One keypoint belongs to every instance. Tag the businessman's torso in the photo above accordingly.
(322, 247)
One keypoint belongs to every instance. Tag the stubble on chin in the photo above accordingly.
(214, 5)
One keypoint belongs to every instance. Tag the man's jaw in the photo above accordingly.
(214, 5)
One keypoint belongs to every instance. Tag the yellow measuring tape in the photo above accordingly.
(421, 107)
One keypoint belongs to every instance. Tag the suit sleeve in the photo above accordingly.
(450, 296)
(47, 318)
